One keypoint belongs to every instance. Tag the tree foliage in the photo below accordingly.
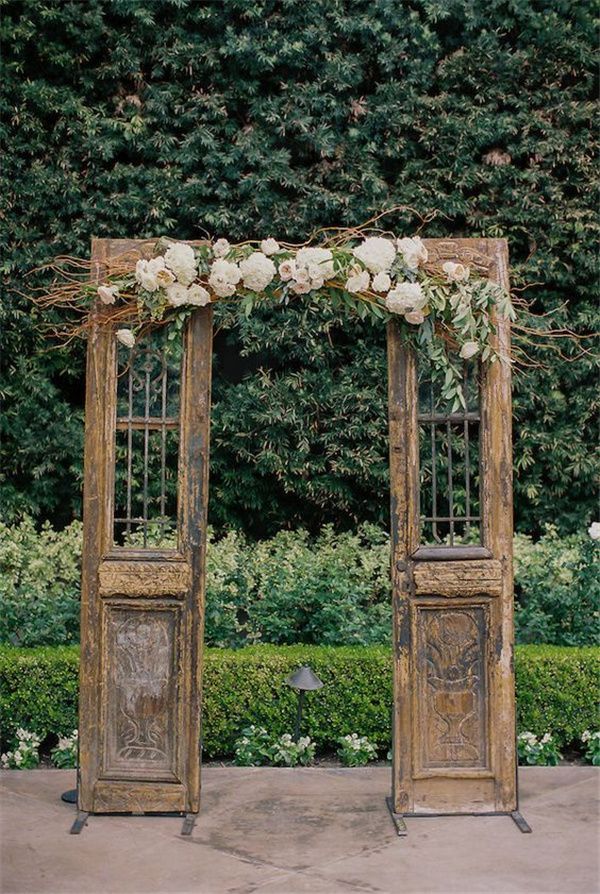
(249, 118)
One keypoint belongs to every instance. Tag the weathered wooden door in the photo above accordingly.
(451, 502)
(145, 497)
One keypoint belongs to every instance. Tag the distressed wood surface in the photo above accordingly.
(453, 720)
(142, 610)
(458, 578)
(141, 578)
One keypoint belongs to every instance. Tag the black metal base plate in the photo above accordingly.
(399, 819)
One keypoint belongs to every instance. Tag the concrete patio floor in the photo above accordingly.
(279, 831)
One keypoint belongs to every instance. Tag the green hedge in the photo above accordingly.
(556, 692)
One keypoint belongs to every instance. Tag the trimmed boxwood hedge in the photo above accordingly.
(557, 690)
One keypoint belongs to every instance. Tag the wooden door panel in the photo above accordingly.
(142, 609)
(454, 744)
(141, 679)
(451, 702)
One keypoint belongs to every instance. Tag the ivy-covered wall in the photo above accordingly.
(245, 118)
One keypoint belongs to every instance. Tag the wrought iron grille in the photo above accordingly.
(147, 443)
(449, 491)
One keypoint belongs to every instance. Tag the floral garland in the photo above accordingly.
(448, 312)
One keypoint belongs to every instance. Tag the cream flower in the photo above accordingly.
(269, 246)
(257, 271)
(198, 296)
(406, 297)
(415, 317)
(320, 257)
(594, 530)
(358, 281)
(177, 295)
(180, 258)
(165, 278)
(146, 273)
(287, 269)
(469, 349)
(108, 294)
(382, 282)
(224, 277)
(455, 272)
(220, 248)
(301, 274)
(376, 253)
(301, 288)
(413, 251)
(126, 337)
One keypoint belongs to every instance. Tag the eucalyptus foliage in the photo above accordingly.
(243, 117)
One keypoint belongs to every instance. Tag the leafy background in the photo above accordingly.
(247, 118)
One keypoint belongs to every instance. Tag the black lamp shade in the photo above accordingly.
(305, 679)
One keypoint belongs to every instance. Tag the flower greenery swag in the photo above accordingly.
(448, 313)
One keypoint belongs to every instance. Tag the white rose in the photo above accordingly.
(287, 269)
(177, 295)
(413, 251)
(594, 530)
(415, 317)
(321, 257)
(165, 278)
(220, 248)
(126, 337)
(198, 296)
(382, 282)
(405, 298)
(108, 294)
(376, 253)
(180, 258)
(469, 349)
(301, 274)
(146, 273)
(257, 271)
(455, 272)
(301, 288)
(358, 282)
(224, 277)
(269, 246)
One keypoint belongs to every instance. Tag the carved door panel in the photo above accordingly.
(451, 502)
(145, 499)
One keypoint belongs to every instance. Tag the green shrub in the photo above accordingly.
(556, 692)
(39, 690)
(557, 583)
(39, 584)
(333, 589)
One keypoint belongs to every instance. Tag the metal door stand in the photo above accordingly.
(398, 819)
(70, 797)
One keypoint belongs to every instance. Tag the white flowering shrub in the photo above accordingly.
(538, 752)
(253, 747)
(25, 754)
(64, 755)
(288, 753)
(355, 750)
(591, 742)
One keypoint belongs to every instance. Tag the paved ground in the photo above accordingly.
(323, 831)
